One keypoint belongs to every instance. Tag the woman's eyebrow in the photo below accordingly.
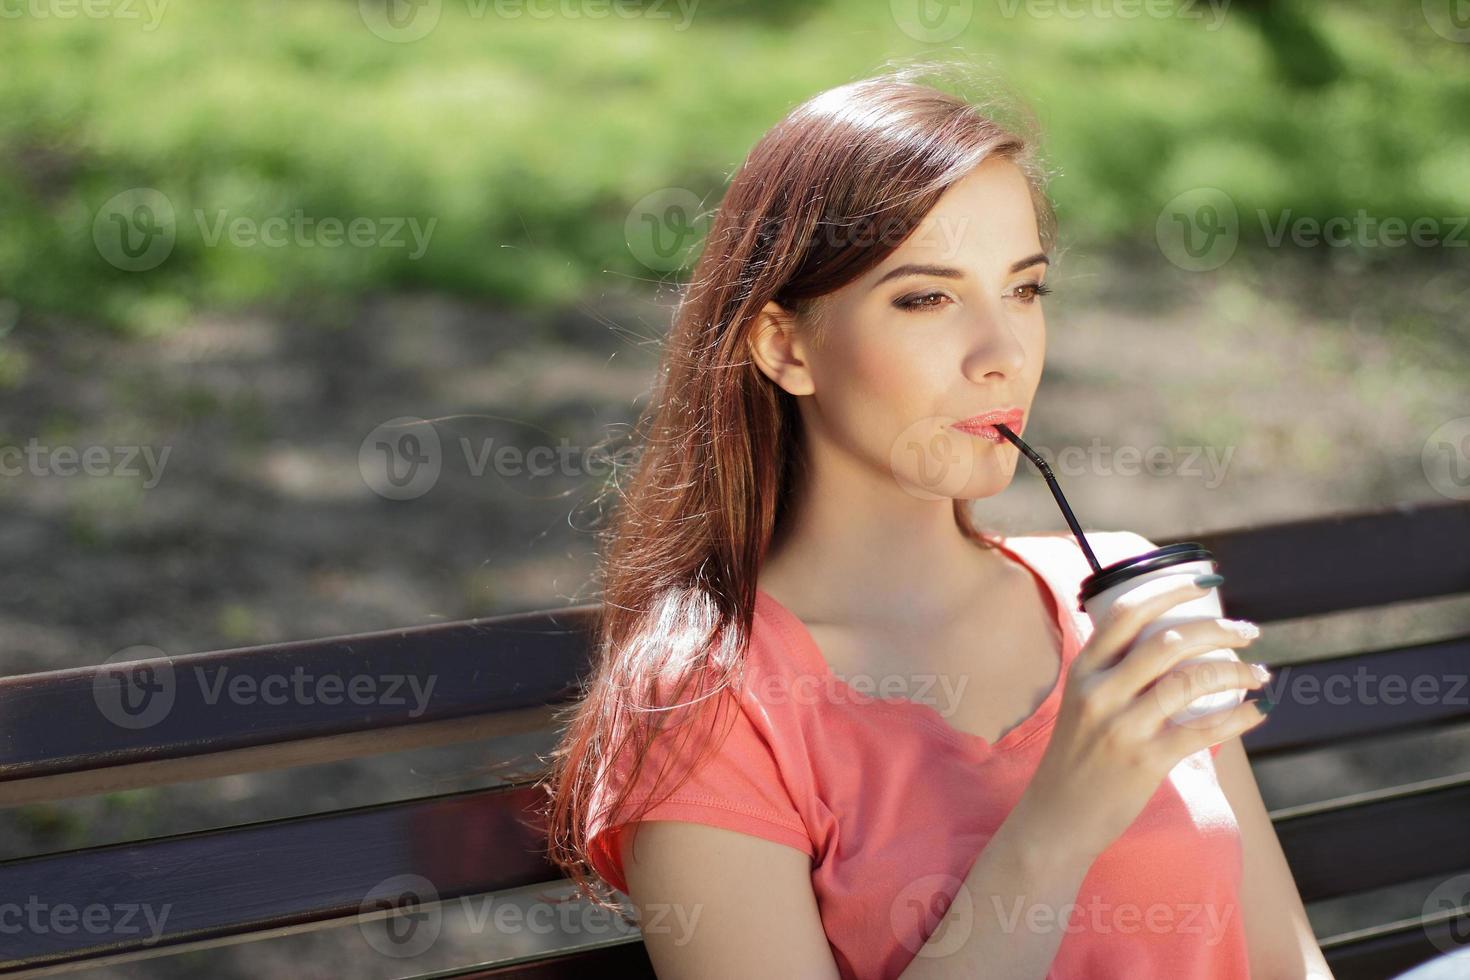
(952, 272)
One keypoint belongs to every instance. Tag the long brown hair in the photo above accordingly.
(825, 195)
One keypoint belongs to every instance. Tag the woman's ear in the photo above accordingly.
(778, 350)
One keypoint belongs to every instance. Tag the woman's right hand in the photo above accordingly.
(1113, 742)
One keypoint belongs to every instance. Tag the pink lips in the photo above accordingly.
(983, 425)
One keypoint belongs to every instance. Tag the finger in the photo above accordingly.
(1130, 614)
(1178, 741)
(1177, 690)
(1147, 661)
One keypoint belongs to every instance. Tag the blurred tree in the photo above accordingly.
(1302, 56)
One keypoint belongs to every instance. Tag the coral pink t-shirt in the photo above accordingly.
(893, 805)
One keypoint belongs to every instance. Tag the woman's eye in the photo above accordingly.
(1026, 292)
(920, 302)
(1029, 291)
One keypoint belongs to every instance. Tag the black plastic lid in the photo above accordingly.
(1120, 571)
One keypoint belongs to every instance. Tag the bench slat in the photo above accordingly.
(191, 747)
(1328, 702)
(621, 958)
(1330, 564)
(278, 875)
(1390, 949)
(58, 722)
(1374, 839)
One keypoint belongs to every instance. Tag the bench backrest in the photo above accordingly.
(98, 729)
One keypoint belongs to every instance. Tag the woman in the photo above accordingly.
(796, 603)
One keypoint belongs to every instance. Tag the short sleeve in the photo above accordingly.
(737, 784)
(1134, 544)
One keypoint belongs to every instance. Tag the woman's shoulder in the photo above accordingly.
(1060, 559)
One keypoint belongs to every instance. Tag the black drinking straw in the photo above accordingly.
(1056, 492)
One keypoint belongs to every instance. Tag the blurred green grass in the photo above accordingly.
(526, 140)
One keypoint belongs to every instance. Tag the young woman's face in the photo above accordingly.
(947, 327)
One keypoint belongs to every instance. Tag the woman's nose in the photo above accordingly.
(996, 348)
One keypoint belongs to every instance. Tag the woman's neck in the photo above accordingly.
(855, 576)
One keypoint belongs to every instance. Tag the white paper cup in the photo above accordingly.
(1183, 562)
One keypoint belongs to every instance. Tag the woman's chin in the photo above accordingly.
(973, 486)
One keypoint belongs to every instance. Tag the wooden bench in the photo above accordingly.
(506, 674)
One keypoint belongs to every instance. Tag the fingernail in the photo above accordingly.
(1263, 704)
(1262, 673)
(1208, 581)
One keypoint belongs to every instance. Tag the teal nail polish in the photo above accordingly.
(1208, 581)
(1263, 704)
